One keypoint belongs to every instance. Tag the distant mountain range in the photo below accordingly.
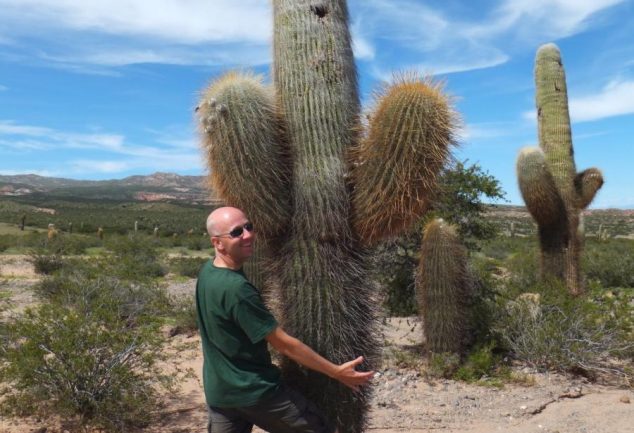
(154, 187)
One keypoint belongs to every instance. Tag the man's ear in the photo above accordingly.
(215, 242)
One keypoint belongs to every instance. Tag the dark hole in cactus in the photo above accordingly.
(320, 10)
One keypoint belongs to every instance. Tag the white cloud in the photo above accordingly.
(480, 131)
(615, 99)
(188, 22)
(43, 137)
(467, 38)
(99, 166)
(550, 18)
(173, 151)
(90, 36)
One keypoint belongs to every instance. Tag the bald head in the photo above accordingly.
(221, 220)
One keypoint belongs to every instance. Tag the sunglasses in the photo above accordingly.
(238, 231)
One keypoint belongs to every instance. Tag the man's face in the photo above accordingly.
(238, 248)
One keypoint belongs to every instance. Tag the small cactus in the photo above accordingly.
(443, 288)
(52, 232)
(100, 234)
(554, 193)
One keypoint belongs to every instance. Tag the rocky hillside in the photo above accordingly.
(154, 187)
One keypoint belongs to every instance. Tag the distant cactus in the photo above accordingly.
(294, 161)
(70, 227)
(443, 288)
(156, 232)
(136, 226)
(554, 193)
(52, 232)
(100, 233)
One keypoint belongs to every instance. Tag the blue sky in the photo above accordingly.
(99, 90)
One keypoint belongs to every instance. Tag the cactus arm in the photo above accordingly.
(396, 167)
(538, 187)
(587, 183)
(244, 143)
(443, 288)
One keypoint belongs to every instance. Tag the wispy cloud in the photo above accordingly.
(3, 88)
(91, 36)
(50, 138)
(483, 131)
(465, 41)
(615, 99)
(170, 150)
(187, 22)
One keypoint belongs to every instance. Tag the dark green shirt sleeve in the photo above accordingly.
(253, 317)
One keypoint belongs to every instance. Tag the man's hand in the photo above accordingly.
(301, 353)
(350, 377)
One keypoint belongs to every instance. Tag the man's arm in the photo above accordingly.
(299, 352)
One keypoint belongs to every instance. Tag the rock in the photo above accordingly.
(624, 399)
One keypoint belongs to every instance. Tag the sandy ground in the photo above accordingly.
(404, 398)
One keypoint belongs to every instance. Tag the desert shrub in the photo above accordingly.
(503, 247)
(183, 313)
(135, 257)
(393, 266)
(46, 264)
(548, 329)
(86, 283)
(197, 243)
(443, 365)
(85, 360)
(7, 241)
(610, 263)
(187, 266)
(480, 363)
(523, 269)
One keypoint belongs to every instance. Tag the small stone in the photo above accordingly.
(523, 407)
(624, 399)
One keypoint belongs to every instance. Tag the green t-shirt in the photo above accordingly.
(233, 321)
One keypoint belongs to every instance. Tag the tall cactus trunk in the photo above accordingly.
(286, 159)
(326, 298)
(554, 193)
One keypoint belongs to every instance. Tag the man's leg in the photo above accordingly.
(227, 420)
(288, 412)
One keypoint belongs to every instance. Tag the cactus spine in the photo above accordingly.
(554, 193)
(285, 157)
(443, 288)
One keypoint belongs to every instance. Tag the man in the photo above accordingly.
(242, 386)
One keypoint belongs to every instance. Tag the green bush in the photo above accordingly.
(183, 312)
(46, 264)
(187, 266)
(610, 263)
(548, 329)
(93, 360)
(135, 257)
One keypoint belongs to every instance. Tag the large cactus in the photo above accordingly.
(319, 194)
(554, 193)
(443, 288)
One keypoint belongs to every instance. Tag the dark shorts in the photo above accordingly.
(287, 411)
